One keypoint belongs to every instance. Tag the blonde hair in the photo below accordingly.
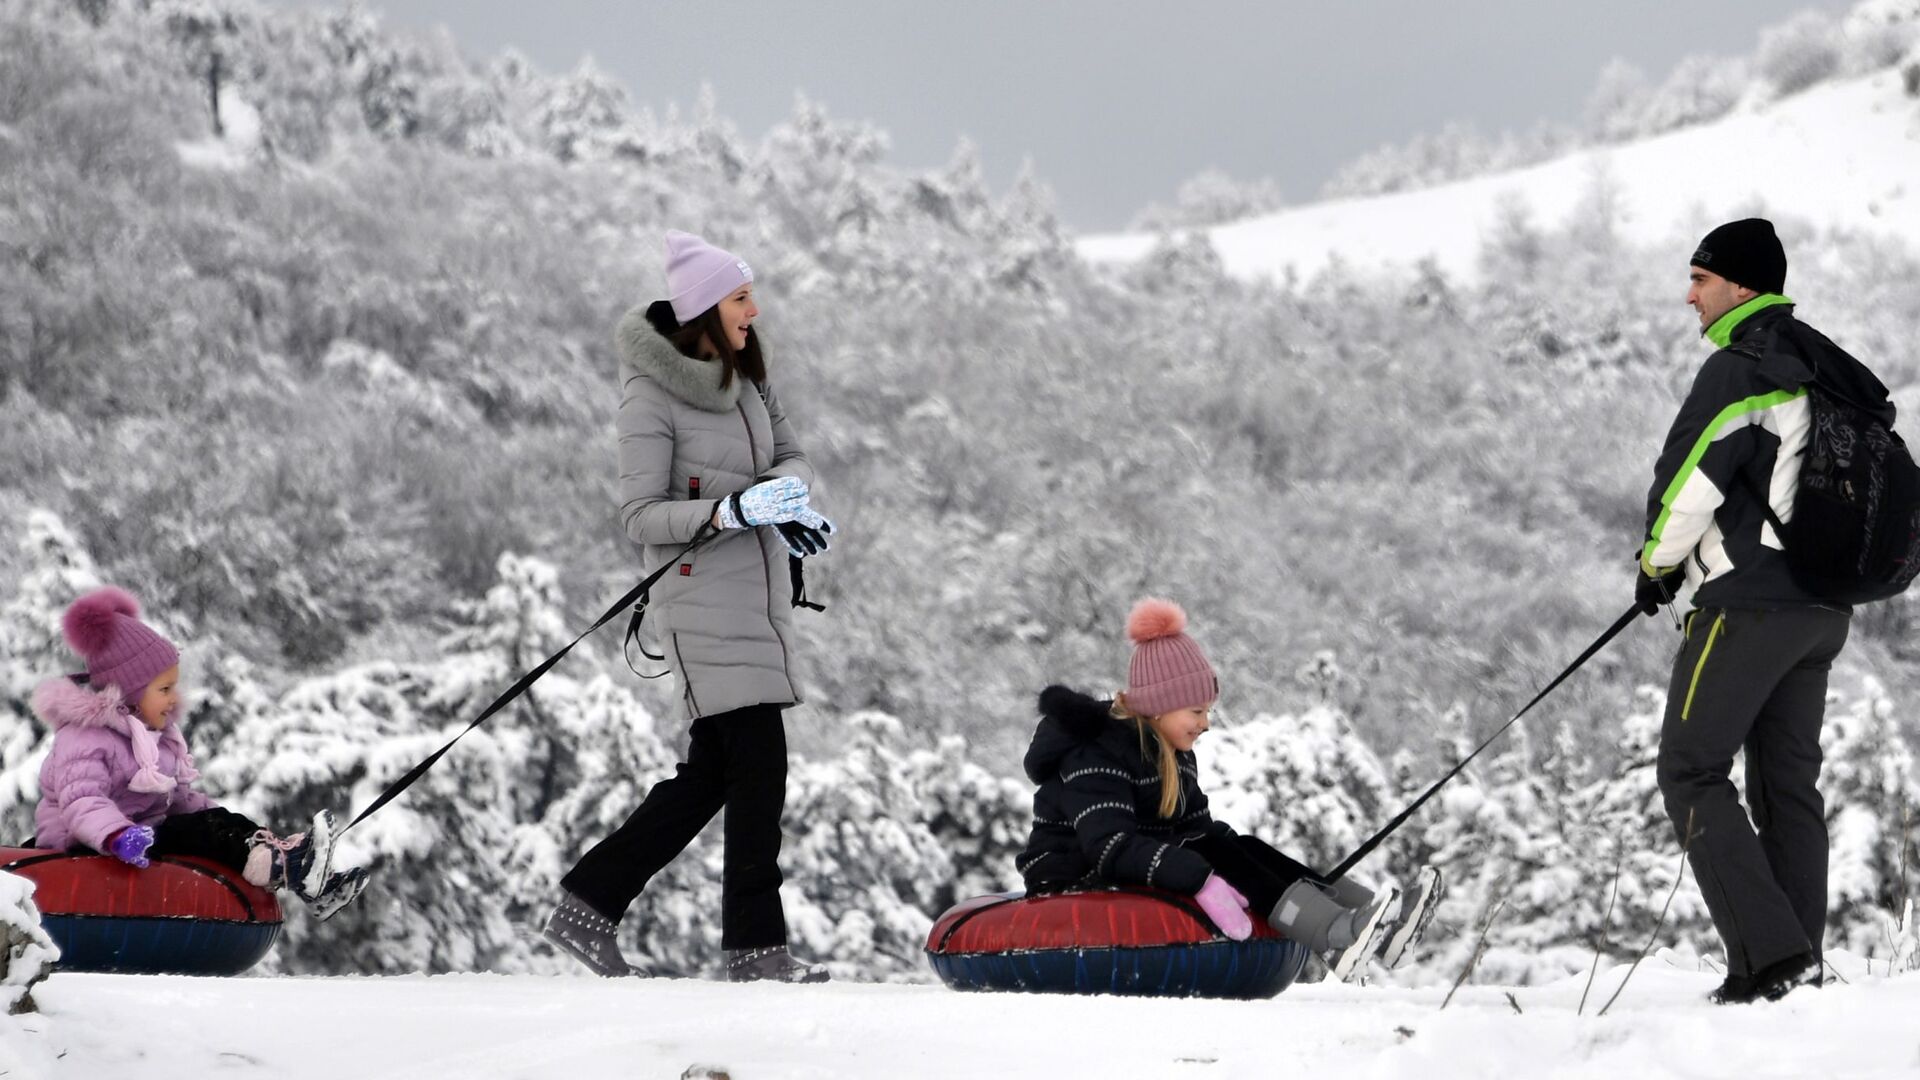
(1168, 765)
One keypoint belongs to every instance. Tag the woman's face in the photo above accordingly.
(737, 313)
(1181, 728)
(162, 697)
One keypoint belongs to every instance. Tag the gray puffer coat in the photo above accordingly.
(723, 618)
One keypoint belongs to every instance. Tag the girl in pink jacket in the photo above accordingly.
(119, 779)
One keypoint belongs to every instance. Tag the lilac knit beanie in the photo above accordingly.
(104, 627)
(1168, 671)
(700, 275)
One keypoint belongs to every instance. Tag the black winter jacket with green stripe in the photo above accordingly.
(1096, 816)
(1741, 431)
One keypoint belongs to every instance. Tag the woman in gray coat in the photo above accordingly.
(711, 476)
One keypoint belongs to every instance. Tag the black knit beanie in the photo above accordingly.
(1745, 252)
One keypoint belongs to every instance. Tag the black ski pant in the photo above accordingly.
(214, 833)
(1252, 866)
(736, 760)
(1755, 680)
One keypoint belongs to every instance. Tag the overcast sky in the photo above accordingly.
(1115, 101)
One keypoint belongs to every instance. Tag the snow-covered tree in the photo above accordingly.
(1212, 197)
(1799, 53)
(59, 570)
(27, 954)
(981, 820)
(864, 871)
(1873, 801)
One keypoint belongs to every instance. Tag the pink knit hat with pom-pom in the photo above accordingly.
(104, 627)
(1168, 671)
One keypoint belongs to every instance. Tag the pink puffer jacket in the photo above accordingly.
(107, 770)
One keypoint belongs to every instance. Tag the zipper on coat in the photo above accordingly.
(686, 680)
(1700, 665)
(786, 654)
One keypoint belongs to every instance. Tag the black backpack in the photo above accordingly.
(1855, 533)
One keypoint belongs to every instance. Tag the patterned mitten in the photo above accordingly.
(767, 503)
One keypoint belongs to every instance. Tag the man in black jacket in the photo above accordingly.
(1752, 670)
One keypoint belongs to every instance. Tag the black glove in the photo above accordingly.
(1652, 592)
(803, 540)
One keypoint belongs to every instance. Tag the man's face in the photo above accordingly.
(1713, 296)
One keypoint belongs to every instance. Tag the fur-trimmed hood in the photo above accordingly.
(68, 702)
(1068, 718)
(641, 339)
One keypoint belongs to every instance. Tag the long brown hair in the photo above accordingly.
(1168, 765)
(707, 329)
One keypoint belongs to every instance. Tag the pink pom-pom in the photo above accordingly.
(88, 624)
(1153, 618)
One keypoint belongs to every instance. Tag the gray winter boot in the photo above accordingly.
(771, 963)
(587, 936)
(1344, 936)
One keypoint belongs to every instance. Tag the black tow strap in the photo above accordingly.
(635, 598)
(1374, 841)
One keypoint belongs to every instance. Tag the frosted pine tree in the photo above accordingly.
(982, 820)
(1465, 832)
(27, 954)
(58, 570)
(442, 898)
(1305, 784)
(1633, 832)
(616, 757)
(1873, 797)
(1534, 853)
(435, 853)
(864, 875)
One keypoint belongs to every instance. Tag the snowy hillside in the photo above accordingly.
(1844, 155)
(480, 1026)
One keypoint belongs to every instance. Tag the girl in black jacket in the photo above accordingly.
(1120, 804)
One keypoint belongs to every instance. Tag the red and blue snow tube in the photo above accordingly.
(181, 915)
(1141, 942)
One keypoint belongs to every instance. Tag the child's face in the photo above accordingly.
(161, 698)
(1181, 728)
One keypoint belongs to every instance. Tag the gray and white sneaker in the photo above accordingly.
(341, 889)
(771, 964)
(587, 936)
(1416, 911)
(309, 878)
(1369, 923)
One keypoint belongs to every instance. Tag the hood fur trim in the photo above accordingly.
(1083, 716)
(68, 702)
(65, 702)
(1068, 718)
(696, 382)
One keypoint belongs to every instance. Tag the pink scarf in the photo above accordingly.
(146, 753)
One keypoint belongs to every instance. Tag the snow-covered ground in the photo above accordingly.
(473, 1026)
(1845, 153)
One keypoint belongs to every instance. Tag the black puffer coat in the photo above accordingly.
(1096, 817)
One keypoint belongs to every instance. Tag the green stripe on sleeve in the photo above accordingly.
(1680, 477)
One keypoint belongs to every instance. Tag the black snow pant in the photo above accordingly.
(214, 833)
(1252, 866)
(1758, 680)
(736, 760)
